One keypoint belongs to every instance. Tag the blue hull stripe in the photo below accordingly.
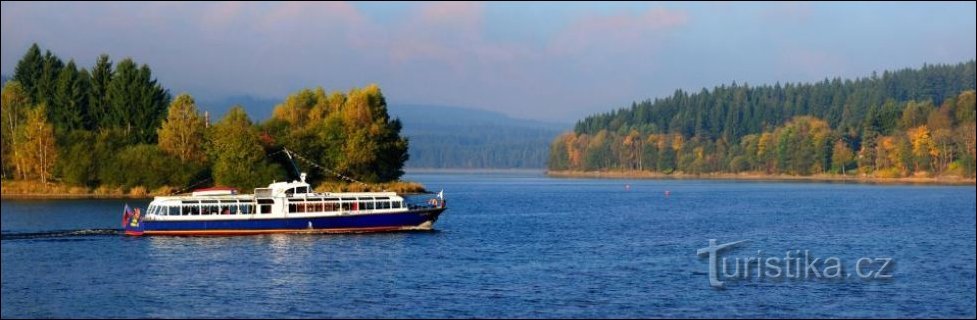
(367, 221)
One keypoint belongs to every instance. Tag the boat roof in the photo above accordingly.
(275, 189)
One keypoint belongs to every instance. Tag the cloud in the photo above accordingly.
(535, 60)
(617, 32)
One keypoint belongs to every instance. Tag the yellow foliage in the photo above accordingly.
(182, 134)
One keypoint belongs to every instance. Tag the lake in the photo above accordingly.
(517, 245)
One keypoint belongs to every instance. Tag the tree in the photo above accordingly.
(965, 109)
(137, 103)
(48, 82)
(842, 156)
(76, 165)
(237, 153)
(28, 72)
(14, 104)
(68, 108)
(98, 104)
(915, 114)
(966, 139)
(36, 152)
(182, 134)
(922, 144)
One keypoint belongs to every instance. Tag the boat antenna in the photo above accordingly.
(190, 186)
(337, 174)
(294, 166)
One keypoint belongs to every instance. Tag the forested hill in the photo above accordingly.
(461, 138)
(896, 123)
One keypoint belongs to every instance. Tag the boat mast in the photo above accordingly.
(295, 167)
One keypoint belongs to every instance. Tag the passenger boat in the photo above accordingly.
(282, 207)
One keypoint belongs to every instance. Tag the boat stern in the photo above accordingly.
(132, 222)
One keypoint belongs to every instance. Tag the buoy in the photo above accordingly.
(668, 193)
(627, 187)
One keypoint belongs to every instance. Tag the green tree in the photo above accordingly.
(137, 103)
(98, 104)
(68, 108)
(239, 159)
(76, 165)
(48, 82)
(28, 72)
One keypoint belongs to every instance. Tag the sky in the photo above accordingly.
(545, 61)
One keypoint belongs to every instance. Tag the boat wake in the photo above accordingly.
(59, 234)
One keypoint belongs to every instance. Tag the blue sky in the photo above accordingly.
(546, 61)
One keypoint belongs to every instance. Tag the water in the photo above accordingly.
(514, 245)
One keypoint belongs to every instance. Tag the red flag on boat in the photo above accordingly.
(126, 214)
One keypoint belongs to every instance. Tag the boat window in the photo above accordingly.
(330, 206)
(264, 205)
(174, 210)
(289, 192)
(302, 190)
(397, 205)
(368, 206)
(383, 205)
(246, 208)
(382, 198)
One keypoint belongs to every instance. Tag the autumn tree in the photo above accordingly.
(13, 107)
(35, 148)
(922, 146)
(842, 156)
(182, 133)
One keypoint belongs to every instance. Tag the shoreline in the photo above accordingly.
(753, 176)
(55, 191)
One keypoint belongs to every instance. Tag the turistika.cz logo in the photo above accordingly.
(794, 265)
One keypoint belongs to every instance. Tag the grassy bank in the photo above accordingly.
(944, 180)
(38, 190)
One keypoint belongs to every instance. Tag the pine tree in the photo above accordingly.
(28, 72)
(70, 99)
(98, 105)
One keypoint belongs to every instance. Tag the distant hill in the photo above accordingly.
(461, 138)
(908, 122)
(259, 109)
(443, 137)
